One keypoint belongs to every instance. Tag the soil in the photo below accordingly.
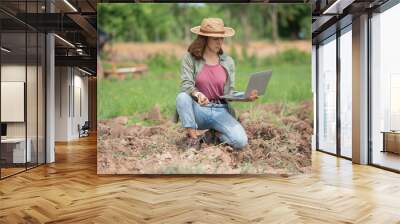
(279, 143)
(140, 51)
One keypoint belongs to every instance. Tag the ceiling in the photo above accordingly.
(330, 15)
(72, 20)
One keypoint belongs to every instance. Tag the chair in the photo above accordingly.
(84, 130)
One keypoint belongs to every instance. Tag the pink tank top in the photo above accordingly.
(211, 80)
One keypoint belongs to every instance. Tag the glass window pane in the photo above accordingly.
(386, 89)
(13, 86)
(346, 94)
(327, 96)
(31, 97)
(41, 98)
(23, 87)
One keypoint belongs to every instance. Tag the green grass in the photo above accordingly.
(290, 82)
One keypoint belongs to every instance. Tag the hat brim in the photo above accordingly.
(228, 32)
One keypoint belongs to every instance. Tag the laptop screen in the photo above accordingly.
(258, 81)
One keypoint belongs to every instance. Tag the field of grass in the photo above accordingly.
(290, 83)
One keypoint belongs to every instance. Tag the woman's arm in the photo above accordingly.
(187, 79)
(187, 75)
(254, 94)
(232, 76)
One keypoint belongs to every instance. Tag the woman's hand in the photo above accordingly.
(253, 95)
(201, 98)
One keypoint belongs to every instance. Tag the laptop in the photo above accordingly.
(258, 81)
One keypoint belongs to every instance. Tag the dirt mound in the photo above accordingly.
(279, 143)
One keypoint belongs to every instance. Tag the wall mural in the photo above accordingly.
(181, 89)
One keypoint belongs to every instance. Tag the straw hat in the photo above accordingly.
(213, 27)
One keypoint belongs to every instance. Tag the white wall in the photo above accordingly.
(80, 94)
(13, 73)
(70, 83)
(62, 81)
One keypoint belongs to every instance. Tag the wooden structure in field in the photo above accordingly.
(121, 73)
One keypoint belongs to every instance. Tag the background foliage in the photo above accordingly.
(172, 22)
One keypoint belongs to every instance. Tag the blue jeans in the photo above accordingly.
(211, 116)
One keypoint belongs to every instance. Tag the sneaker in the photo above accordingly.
(209, 137)
(193, 143)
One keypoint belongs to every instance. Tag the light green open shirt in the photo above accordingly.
(191, 67)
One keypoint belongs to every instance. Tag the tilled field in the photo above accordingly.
(132, 51)
(279, 143)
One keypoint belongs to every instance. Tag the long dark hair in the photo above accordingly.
(197, 47)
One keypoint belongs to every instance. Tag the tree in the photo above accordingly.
(172, 22)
